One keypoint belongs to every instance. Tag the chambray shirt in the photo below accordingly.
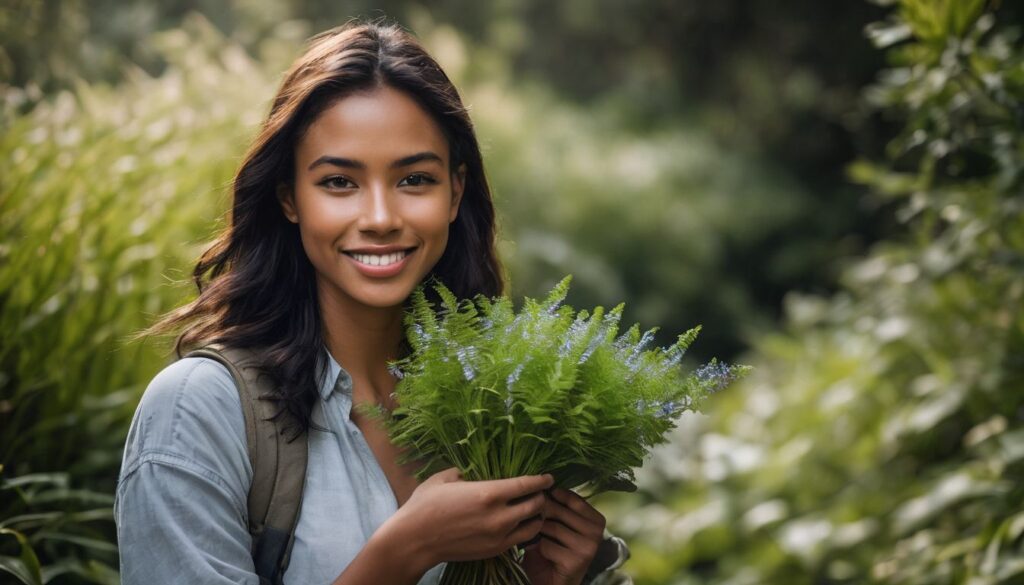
(181, 502)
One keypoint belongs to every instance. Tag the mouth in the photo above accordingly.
(380, 260)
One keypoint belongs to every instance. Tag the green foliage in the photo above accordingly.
(72, 531)
(669, 117)
(104, 192)
(880, 439)
(499, 394)
(667, 219)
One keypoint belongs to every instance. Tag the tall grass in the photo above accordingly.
(107, 195)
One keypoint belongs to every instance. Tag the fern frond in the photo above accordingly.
(499, 393)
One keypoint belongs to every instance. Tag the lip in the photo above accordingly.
(379, 249)
(380, 271)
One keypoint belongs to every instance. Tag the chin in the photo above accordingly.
(383, 297)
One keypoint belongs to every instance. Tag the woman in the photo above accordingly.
(365, 179)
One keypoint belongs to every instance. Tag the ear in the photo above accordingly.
(287, 199)
(458, 187)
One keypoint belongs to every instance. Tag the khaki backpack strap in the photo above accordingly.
(278, 465)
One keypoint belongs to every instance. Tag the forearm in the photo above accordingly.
(390, 556)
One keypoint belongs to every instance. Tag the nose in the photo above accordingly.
(379, 213)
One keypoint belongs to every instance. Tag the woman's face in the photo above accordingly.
(373, 197)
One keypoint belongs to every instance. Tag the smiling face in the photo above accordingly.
(373, 196)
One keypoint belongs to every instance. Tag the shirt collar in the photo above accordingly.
(335, 379)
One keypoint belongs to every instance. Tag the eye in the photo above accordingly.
(336, 182)
(418, 180)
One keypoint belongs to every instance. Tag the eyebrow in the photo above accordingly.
(355, 164)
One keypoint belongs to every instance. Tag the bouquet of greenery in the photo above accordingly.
(499, 394)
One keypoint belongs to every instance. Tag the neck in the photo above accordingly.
(362, 339)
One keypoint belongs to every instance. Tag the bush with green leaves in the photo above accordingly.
(106, 194)
(881, 437)
(668, 219)
(500, 394)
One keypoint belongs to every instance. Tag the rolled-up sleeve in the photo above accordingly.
(611, 554)
(180, 504)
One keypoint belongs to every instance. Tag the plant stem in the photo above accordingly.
(500, 570)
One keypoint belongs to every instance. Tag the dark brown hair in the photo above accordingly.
(256, 284)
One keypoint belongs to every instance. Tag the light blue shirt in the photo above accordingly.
(181, 502)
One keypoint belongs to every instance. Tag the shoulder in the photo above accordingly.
(190, 384)
(190, 416)
(181, 501)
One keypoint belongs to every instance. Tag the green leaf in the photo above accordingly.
(616, 484)
(16, 566)
(886, 34)
(93, 543)
(25, 567)
(58, 479)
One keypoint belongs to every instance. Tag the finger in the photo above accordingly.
(526, 511)
(578, 543)
(533, 542)
(516, 487)
(534, 505)
(565, 562)
(576, 503)
(448, 475)
(555, 510)
(524, 532)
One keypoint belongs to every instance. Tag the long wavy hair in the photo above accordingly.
(256, 285)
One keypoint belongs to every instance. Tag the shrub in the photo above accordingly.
(105, 193)
(880, 438)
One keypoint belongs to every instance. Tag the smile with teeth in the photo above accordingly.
(378, 259)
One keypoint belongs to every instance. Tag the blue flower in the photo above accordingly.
(395, 371)
(514, 376)
(465, 356)
(667, 409)
(572, 337)
(715, 375)
(641, 404)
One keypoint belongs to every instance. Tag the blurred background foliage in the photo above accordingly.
(832, 189)
(880, 437)
(664, 93)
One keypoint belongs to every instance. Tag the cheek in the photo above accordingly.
(436, 231)
(315, 208)
(431, 216)
(321, 221)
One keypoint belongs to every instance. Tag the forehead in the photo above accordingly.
(375, 126)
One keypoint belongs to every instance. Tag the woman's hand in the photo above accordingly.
(570, 536)
(449, 519)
